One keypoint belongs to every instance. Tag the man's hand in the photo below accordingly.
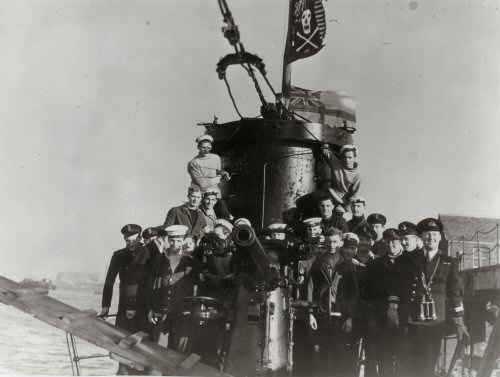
(325, 150)
(347, 326)
(182, 344)
(225, 175)
(130, 314)
(392, 316)
(104, 311)
(153, 317)
(461, 329)
(312, 322)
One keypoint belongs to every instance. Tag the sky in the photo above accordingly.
(99, 102)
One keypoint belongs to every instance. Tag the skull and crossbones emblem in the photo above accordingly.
(305, 20)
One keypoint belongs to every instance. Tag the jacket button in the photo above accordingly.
(413, 292)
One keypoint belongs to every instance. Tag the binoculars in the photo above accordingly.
(427, 309)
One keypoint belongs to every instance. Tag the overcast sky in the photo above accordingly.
(99, 101)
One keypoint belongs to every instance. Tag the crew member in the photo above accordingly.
(408, 236)
(314, 230)
(358, 214)
(206, 172)
(345, 177)
(322, 286)
(345, 295)
(277, 231)
(367, 236)
(331, 219)
(189, 214)
(377, 221)
(382, 341)
(428, 280)
(148, 235)
(207, 207)
(130, 263)
(174, 277)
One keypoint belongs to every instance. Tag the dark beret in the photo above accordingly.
(428, 225)
(376, 218)
(131, 229)
(406, 228)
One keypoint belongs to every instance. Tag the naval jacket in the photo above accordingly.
(170, 288)
(357, 222)
(132, 269)
(181, 215)
(445, 288)
(379, 288)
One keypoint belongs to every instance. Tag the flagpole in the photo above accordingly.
(286, 83)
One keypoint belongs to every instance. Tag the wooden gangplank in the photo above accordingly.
(134, 350)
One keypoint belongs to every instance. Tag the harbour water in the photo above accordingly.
(29, 346)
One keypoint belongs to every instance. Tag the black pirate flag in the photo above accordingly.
(306, 29)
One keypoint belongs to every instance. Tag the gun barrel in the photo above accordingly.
(244, 238)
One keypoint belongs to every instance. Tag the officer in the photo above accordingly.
(330, 219)
(367, 236)
(174, 277)
(428, 280)
(189, 214)
(377, 221)
(130, 263)
(381, 343)
(358, 220)
(408, 236)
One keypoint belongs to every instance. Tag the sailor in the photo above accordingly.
(207, 207)
(313, 226)
(277, 231)
(345, 311)
(314, 230)
(345, 177)
(377, 221)
(358, 214)
(218, 274)
(367, 236)
(408, 236)
(130, 263)
(331, 219)
(428, 281)
(322, 285)
(382, 340)
(206, 172)
(189, 214)
(174, 277)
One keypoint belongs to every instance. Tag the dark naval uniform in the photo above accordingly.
(132, 268)
(414, 272)
(335, 221)
(356, 223)
(382, 339)
(169, 289)
(340, 289)
(378, 248)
